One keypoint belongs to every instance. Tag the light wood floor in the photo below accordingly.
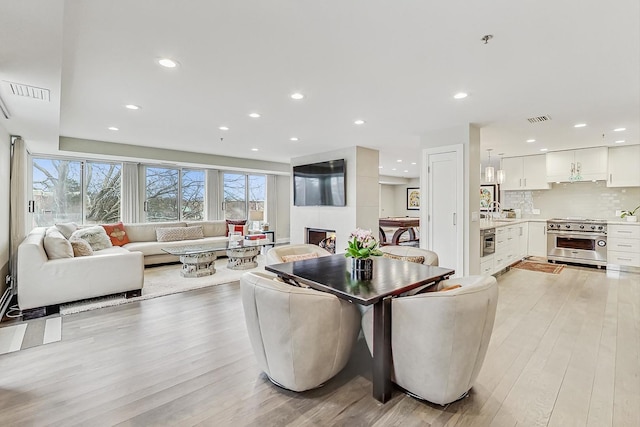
(564, 351)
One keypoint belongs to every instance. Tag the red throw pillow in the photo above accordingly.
(238, 225)
(116, 233)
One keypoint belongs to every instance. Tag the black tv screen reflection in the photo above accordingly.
(320, 184)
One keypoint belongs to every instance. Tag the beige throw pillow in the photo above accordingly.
(193, 232)
(67, 228)
(81, 247)
(56, 245)
(95, 236)
(416, 259)
(299, 257)
(173, 234)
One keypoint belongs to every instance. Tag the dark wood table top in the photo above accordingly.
(333, 274)
(399, 222)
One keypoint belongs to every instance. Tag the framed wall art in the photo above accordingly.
(413, 198)
(488, 193)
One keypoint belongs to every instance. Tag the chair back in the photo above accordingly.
(408, 253)
(275, 254)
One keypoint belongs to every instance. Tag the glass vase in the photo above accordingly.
(362, 268)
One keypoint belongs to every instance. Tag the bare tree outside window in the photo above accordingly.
(193, 182)
(162, 194)
(103, 192)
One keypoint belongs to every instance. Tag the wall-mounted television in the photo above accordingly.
(320, 184)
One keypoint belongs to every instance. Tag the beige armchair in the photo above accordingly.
(301, 337)
(275, 254)
(439, 339)
(430, 257)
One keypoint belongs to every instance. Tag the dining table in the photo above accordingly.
(390, 278)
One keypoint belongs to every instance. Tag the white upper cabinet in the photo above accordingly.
(524, 173)
(577, 165)
(623, 166)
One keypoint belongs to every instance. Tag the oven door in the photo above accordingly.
(585, 248)
(488, 244)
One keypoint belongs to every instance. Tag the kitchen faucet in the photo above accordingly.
(496, 208)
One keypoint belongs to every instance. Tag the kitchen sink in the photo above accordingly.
(503, 220)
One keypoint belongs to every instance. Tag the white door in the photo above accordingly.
(445, 222)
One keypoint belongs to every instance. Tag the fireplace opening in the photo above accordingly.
(322, 237)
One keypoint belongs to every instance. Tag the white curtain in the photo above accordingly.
(212, 196)
(130, 193)
(271, 214)
(18, 204)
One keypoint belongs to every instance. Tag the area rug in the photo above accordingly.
(163, 280)
(540, 267)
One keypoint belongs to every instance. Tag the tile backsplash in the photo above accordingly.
(578, 199)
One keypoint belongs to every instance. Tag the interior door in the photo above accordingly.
(444, 218)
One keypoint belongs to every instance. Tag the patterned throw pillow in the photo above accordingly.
(95, 236)
(299, 257)
(67, 228)
(81, 247)
(56, 245)
(116, 233)
(416, 259)
(193, 232)
(238, 225)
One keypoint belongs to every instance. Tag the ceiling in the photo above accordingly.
(395, 65)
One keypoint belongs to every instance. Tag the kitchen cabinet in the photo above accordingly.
(537, 245)
(525, 173)
(577, 165)
(522, 231)
(623, 166)
(623, 247)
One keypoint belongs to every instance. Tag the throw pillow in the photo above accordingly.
(194, 232)
(95, 236)
(450, 288)
(81, 247)
(299, 257)
(238, 225)
(168, 234)
(116, 233)
(56, 245)
(416, 259)
(67, 228)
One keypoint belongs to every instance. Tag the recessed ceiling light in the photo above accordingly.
(297, 95)
(413, 163)
(293, 138)
(254, 115)
(132, 107)
(379, 167)
(544, 149)
(399, 160)
(358, 122)
(460, 95)
(167, 63)
(223, 128)
(113, 128)
(406, 170)
(393, 169)
(580, 125)
(531, 140)
(254, 149)
(620, 141)
(619, 129)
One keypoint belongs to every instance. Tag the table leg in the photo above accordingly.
(382, 350)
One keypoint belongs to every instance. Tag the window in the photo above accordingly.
(78, 191)
(244, 196)
(174, 194)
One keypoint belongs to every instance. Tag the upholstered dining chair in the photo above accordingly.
(409, 253)
(286, 253)
(439, 339)
(301, 337)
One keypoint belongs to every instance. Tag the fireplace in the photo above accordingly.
(324, 238)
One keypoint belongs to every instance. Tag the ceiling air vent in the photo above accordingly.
(539, 119)
(29, 91)
(4, 111)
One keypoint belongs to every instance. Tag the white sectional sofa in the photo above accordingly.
(43, 284)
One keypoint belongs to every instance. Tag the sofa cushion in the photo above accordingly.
(116, 233)
(155, 248)
(67, 228)
(146, 232)
(56, 245)
(172, 234)
(95, 235)
(211, 228)
(81, 247)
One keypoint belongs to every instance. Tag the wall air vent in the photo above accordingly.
(539, 119)
(29, 91)
(4, 111)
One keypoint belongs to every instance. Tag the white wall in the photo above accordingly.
(401, 198)
(469, 137)
(362, 204)
(5, 148)
(285, 200)
(387, 200)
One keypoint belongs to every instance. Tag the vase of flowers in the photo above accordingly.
(362, 246)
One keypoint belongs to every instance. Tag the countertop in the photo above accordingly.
(486, 224)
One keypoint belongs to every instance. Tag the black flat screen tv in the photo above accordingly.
(320, 184)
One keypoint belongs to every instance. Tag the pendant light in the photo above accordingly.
(500, 175)
(489, 171)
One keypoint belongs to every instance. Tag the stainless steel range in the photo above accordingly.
(582, 241)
